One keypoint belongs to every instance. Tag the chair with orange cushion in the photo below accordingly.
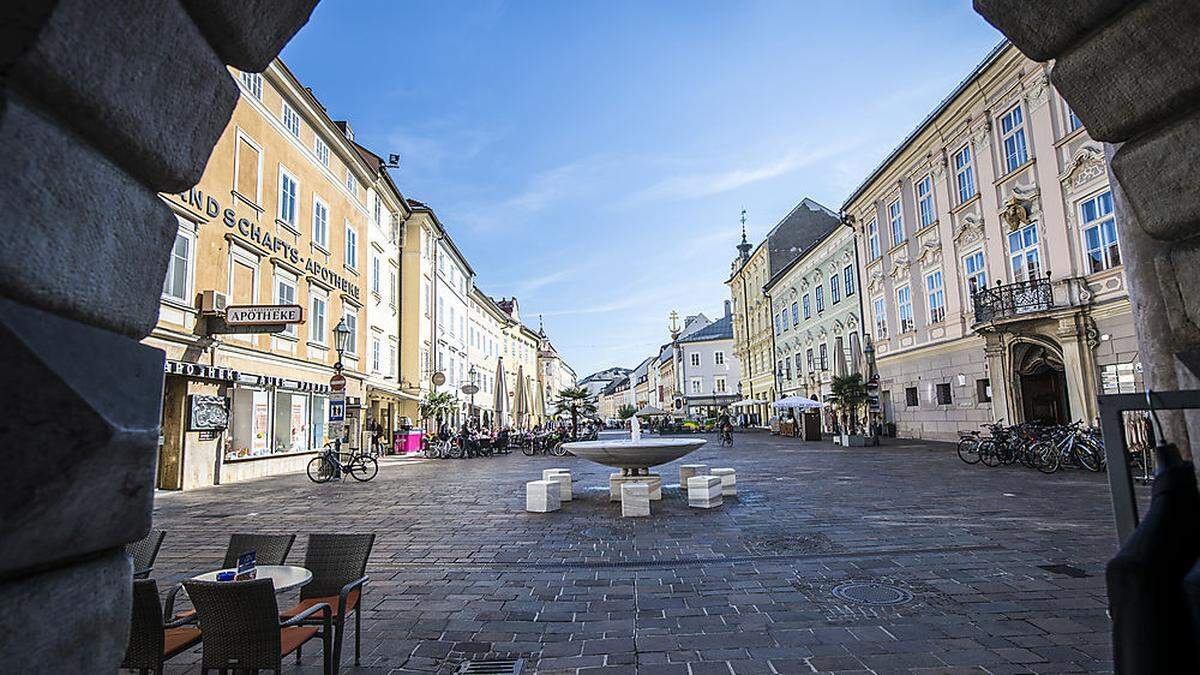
(152, 642)
(242, 629)
(338, 563)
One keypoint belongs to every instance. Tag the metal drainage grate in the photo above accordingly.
(1066, 570)
(872, 593)
(505, 666)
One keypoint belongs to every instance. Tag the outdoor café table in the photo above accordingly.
(285, 577)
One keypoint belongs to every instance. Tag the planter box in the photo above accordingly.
(857, 441)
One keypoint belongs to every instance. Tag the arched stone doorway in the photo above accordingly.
(1040, 383)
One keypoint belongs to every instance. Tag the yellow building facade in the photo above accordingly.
(279, 217)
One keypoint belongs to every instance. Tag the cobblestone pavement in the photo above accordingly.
(998, 570)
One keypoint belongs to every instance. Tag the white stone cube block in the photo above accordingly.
(635, 500)
(704, 492)
(728, 481)
(564, 482)
(616, 480)
(686, 471)
(541, 496)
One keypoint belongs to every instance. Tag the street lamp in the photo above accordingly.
(472, 388)
(341, 341)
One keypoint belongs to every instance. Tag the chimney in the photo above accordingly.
(728, 308)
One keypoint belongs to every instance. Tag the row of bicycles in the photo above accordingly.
(464, 446)
(1047, 448)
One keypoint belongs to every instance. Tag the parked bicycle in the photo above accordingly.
(329, 465)
(1046, 448)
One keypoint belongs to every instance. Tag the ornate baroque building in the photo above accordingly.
(991, 261)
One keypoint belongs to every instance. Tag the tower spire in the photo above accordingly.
(744, 247)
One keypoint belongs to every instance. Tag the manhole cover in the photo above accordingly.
(872, 593)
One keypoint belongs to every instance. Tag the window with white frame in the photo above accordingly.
(778, 327)
(880, 309)
(351, 247)
(823, 356)
(807, 306)
(391, 364)
(321, 150)
(1012, 137)
(376, 353)
(819, 295)
(796, 358)
(925, 201)
(904, 310)
(285, 294)
(1073, 121)
(253, 83)
(974, 271)
(719, 384)
(697, 385)
(964, 174)
(719, 358)
(835, 289)
(351, 318)
(378, 211)
(783, 317)
(392, 289)
(289, 194)
(376, 276)
(896, 222)
(695, 359)
(320, 223)
(795, 314)
(1100, 232)
(177, 285)
(812, 364)
(935, 295)
(351, 183)
(318, 308)
(1024, 254)
(873, 250)
(291, 121)
(848, 280)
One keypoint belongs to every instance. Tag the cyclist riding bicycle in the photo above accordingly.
(725, 426)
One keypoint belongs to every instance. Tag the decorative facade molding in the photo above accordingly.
(1087, 164)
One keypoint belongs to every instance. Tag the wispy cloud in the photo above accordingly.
(705, 184)
(532, 284)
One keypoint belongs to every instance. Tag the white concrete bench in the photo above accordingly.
(686, 471)
(563, 477)
(542, 496)
(728, 481)
(635, 500)
(704, 492)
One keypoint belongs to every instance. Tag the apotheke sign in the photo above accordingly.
(262, 315)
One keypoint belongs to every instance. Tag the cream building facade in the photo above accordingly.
(990, 260)
(817, 316)
(485, 336)
(754, 266)
(280, 217)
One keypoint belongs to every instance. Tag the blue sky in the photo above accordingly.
(592, 158)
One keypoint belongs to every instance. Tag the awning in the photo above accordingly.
(797, 403)
(651, 411)
(747, 403)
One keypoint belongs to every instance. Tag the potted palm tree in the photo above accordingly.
(436, 407)
(576, 401)
(849, 396)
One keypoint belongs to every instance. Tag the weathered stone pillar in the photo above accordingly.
(1131, 72)
(1077, 362)
(102, 106)
(999, 377)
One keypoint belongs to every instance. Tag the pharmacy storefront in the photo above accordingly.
(224, 425)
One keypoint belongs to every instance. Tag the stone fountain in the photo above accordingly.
(634, 457)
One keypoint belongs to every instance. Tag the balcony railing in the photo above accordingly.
(1006, 301)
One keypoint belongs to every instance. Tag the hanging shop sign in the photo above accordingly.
(207, 413)
(261, 315)
(201, 371)
(274, 247)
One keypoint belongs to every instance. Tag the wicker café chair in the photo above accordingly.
(144, 552)
(242, 629)
(338, 563)
(151, 642)
(270, 549)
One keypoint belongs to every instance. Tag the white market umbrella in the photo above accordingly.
(651, 411)
(856, 354)
(797, 403)
(501, 401)
(520, 402)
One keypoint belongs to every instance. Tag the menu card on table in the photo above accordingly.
(247, 567)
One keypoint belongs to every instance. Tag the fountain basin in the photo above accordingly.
(629, 454)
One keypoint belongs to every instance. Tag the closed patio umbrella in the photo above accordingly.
(501, 401)
(839, 361)
(520, 400)
(856, 354)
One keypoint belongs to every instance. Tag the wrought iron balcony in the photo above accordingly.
(1007, 301)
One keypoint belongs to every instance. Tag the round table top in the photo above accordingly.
(285, 577)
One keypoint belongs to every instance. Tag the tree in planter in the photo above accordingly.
(576, 401)
(626, 411)
(437, 406)
(849, 394)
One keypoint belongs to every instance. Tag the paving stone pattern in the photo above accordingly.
(460, 571)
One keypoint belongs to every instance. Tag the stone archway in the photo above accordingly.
(1039, 381)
